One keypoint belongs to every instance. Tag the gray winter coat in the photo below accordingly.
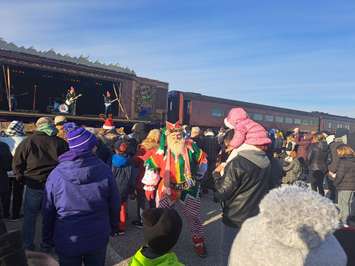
(293, 172)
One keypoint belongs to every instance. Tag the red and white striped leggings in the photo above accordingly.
(191, 209)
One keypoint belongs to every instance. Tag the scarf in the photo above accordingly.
(48, 129)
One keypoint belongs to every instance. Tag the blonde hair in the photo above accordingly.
(345, 150)
(195, 131)
(318, 138)
(152, 140)
(290, 138)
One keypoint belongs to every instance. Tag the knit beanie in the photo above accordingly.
(330, 139)
(79, 138)
(43, 120)
(161, 229)
(15, 128)
(60, 120)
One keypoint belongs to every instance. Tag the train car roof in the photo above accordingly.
(193, 95)
(52, 61)
(330, 116)
(52, 55)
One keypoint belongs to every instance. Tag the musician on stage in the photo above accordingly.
(69, 99)
(13, 101)
(108, 103)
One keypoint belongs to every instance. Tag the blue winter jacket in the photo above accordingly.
(80, 205)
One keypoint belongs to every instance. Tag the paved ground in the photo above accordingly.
(121, 248)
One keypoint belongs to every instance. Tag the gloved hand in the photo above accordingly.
(149, 195)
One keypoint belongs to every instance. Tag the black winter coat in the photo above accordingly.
(345, 174)
(276, 172)
(318, 157)
(246, 179)
(209, 144)
(5, 165)
(36, 157)
(125, 179)
(198, 141)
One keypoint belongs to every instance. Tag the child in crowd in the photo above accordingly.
(246, 130)
(125, 175)
(293, 169)
(162, 228)
(148, 147)
(290, 144)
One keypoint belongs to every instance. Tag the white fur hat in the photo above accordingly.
(294, 227)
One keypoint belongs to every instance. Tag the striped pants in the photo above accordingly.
(191, 209)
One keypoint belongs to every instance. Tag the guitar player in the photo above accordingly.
(69, 99)
(108, 103)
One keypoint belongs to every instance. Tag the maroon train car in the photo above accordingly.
(209, 112)
(331, 123)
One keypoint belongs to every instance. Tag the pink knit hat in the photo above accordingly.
(235, 115)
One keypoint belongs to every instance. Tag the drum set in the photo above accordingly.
(63, 108)
(57, 107)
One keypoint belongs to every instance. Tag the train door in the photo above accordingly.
(173, 107)
(187, 108)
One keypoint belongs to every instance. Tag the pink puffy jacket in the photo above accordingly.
(245, 130)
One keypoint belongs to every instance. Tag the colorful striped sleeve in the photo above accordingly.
(199, 155)
(152, 163)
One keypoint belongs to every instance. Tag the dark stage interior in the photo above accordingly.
(37, 91)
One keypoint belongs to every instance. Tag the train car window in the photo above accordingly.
(258, 117)
(297, 121)
(216, 112)
(269, 118)
(279, 119)
(288, 120)
(305, 122)
(329, 124)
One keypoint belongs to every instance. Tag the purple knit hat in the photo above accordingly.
(79, 138)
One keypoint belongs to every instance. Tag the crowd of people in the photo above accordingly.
(80, 180)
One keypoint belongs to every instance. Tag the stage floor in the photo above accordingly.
(95, 121)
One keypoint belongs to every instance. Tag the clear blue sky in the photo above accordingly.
(298, 54)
